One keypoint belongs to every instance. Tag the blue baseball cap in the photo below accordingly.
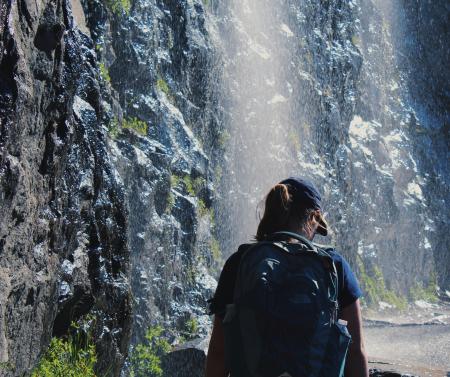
(305, 194)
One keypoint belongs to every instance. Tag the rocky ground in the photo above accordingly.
(416, 340)
(188, 361)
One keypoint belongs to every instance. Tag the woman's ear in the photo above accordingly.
(314, 217)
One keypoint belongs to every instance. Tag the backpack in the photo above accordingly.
(283, 319)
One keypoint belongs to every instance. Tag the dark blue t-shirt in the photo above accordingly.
(349, 290)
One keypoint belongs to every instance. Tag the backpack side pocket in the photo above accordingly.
(343, 341)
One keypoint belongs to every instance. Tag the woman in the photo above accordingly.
(292, 205)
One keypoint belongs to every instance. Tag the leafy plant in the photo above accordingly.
(193, 186)
(375, 288)
(425, 293)
(74, 356)
(170, 202)
(203, 210)
(104, 72)
(162, 86)
(174, 180)
(119, 6)
(215, 250)
(113, 128)
(6, 365)
(190, 330)
(223, 139)
(146, 357)
(135, 124)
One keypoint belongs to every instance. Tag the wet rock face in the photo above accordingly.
(160, 62)
(366, 145)
(63, 229)
(422, 34)
(76, 199)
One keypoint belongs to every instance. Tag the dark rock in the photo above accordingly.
(64, 252)
(187, 360)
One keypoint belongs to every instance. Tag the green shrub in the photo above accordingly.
(162, 86)
(216, 253)
(170, 202)
(190, 330)
(119, 6)
(135, 124)
(146, 357)
(73, 356)
(426, 293)
(113, 128)
(375, 289)
(174, 180)
(204, 211)
(104, 72)
(193, 186)
(223, 139)
(218, 174)
(6, 365)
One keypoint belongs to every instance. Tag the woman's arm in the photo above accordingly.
(356, 365)
(215, 360)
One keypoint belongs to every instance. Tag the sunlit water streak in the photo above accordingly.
(257, 43)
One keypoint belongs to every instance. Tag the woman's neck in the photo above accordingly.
(308, 235)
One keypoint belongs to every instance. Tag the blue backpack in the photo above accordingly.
(283, 321)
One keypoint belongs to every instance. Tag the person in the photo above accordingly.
(292, 205)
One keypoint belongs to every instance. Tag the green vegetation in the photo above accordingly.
(73, 356)
(215, 250)
(113, 128)
(135, 124)
(190, 330)
(162, 86)
(426, 293)
(218, 174)
(375, 288)
(203, 211)
(223, 139)
(191, 273)
(6, 365)
(174, 180)
(119, 6)
(146, 357)
(170, 202)
(193, 186)
(104, 72)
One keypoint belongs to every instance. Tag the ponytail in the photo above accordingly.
(277, 211)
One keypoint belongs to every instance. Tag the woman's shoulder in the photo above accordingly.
(336, 255)
(235, 258)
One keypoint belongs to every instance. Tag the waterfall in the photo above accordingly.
(263, 141)
(317, 90)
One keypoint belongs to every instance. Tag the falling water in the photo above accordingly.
(257, 43)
